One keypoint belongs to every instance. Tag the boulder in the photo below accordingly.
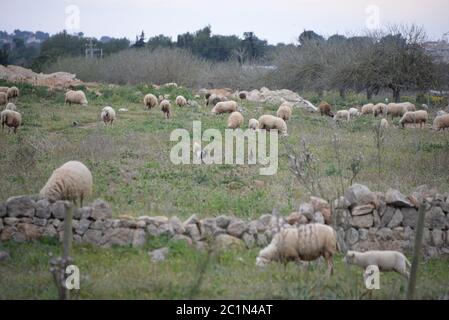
(159, 255)
(98, 225)
(101, 210)
(225, 241)
(86, 212)
(362, 210)
(388, 214)
(365, 221)
(193, 219)
(341, 203)
(209, 228)
(359, 194)
(50, 231)
(262, 239)
(192, 231)
(363, 234)
(21, 206)
(396, 220)
(83, 225)
(39, 222)
(43, 209)
(410, 217)
(236, 228)
(58, 209)
(11, 221)
(397, 199)
(384, 234)
(265, 219)
(306, 209)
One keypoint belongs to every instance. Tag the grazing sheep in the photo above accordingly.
(166, 108)
(3, 98)
(242, 95)
(343, 115)
(325, 109)
(353, 112)
(368, 108)
(408, 106)
(76, 97)
(285, 112)
(235, 120)
(225, 107)
(181, 101)
(419, 116)
(11, 106)
(108, 115)
(384, 260)
(380, 109)
(269, 122)
(13, 92)
(11, 119)
(306, 242)
(71, 181)
(253, 124)
(150, 101)
(395, 110)
(384, 123)
(441, 122)
(441, 112)
(4, 89)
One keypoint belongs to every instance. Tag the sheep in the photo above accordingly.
(395, 110)
(441, 122)
(71, 181)
(269, 122)
(425, 107)
(368, 108)
(11, 106)
(306, 242)
(181, 101)
(353, 112)
(384, 123)
(285, 112)
(4, 89)
(214, 99)
(3, 98)
(225, 107)
(166, 108)
(342, 114)
(325, 109)
(150, 101)
(13, 92)
(11, 119)
(235, 120)
(408, 106)
(108, 115)
(253, 124)
(242, 95)
(380, 109)
(76, 97)
(384, 260)
(419, 116)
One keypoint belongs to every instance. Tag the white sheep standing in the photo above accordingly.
(420, 117)
(166, 108)
(71, 181)
(441, 122)
(269, 122)
(304, 243)
(368, 108)
(108, 115)
(235, 120)
(11, 119)
(285, 111)
(384, 260)
(181, 101)
(150, 101)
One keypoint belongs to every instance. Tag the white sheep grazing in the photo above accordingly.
(108, 115)
(225, 107)
(11, 106)
(235, 120)
(368, 108)
(253, 124)
(306, 242)
(269, 122)
(419, 116)
(441, 122)
(342, 115)
(353, 112)
(396, 110)
(71, 181)
(12, 92)
(181, 101)
(384, 260)
(3, 98)
(150, 101)
(285, 111)
(380, 109)
(166, 108)
(76, 97)
(11, 119)
(4, 89)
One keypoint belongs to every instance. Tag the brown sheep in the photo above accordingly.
(325, 109)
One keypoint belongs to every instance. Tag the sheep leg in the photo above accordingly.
(330, 263)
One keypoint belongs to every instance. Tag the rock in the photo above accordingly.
(86, 213)
(98, 225)
(365, 221)
(342, 216)
(177, 225)
(445, 207)
(43, 209)
(225, 241)
(318, 218)
(4, 256)
(362, 210)
(396, 220)
(201, 245)
(78, 212)
(101, 210)
(139, 238)
(352, 236)
(127, 223)
(2, 210)
(21, 206)
(30, 231)
(192, 231)
(222, 221)
(193, 219)
(437, 237)
(182, 238)
(341, 203)
(159, 254)
(11, 221)
(236, 228)
(341, 243)
(209, 228)
(50, 231)
(58, 209)
(323, 207)
(396, 199)
(93, 237)
(77, 239)
(141, 224)
(359, 194)
(39, 222)
(265, 219)
(410, 217)
(376, 218)
(121, 237)
(306, 209)
(83, 225)
(387, 216)
(363, 234)
(385, 234)
(435, 219)
(249, 240)
(262, 240)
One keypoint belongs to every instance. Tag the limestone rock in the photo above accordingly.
(396, 220)
(182, 238)
(352, 236)
(21, 206)
(43, 209)
(362, 210)
(359, 194)
(249, 240)
(410, 217)
(236, 228)
(365, 221)
(397, 199)
(59, 209)
(222, 221)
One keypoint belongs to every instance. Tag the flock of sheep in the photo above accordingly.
(10, 117)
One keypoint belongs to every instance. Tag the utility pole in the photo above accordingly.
(91, 50)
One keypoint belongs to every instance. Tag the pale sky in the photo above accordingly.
(273, 20)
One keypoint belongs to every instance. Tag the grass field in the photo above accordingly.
(132, 171)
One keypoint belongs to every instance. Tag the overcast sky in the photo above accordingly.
(273, 20)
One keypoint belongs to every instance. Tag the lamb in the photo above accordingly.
(71, 181)
(253, 124)
(3, 98)
(306, 242)
(384, 260)
(76, 97)
(420, 117)
(368, 108)
(380, 109)
(235, 120)
(150, 101)
(353, 112)
(108, 115)
(13, 92)
(11, 106)
(342, 114)
(384, 123)
(181, 101)
(441, 122)
(269, 122)
(285, 112)
(11, 119)
(396, 110)
(166, 108)
(225, 107)
(325, 109)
